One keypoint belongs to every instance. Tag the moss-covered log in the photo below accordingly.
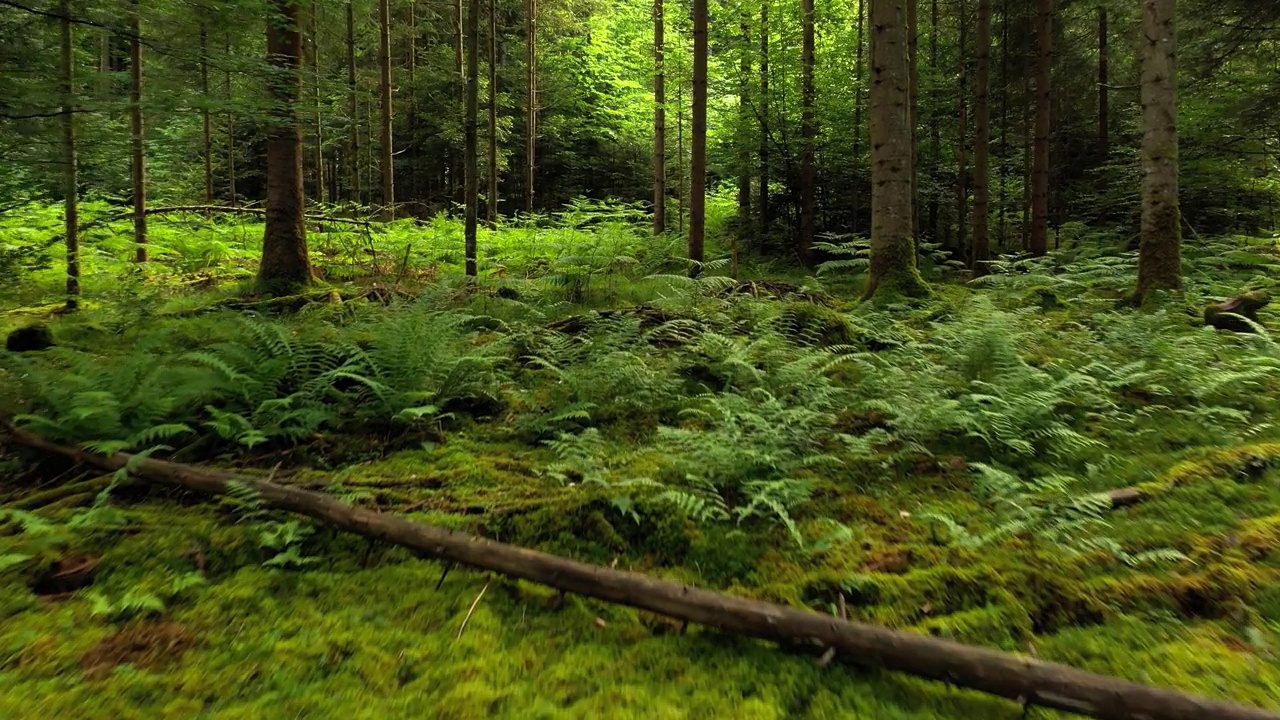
(1006, 675)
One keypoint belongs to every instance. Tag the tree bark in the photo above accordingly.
(491, 197)
(893, 253)
(698, 164)
(1039, 241)
(1104, 112)
(1003, 164)
(935, 125)
(353, 108)
(1159, 257)
(1015, 677)
(231, 134)
(913, 103)
(659, 120)
(982, 141)
(285, 263)
(318, 149)
(764, 121)
(206, 121)
(138, 166)
(808, 133)
(962, 128)
(70, 163)
(384, 90)
(531, 95)
(471, 171)
(744, 122)
(857, 107)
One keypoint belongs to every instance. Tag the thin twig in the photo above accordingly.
(474, 603)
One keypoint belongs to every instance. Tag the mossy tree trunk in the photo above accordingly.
(1159, 260)
(698, 163)
(471, 165)
(893, 253)
(285, 263)
(70, 164)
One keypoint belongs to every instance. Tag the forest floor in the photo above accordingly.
(934, 466)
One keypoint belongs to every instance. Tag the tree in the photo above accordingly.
(1104, 112)
(962, 126)
(471, 170)
(491, 197)
(206, 121)
(698, 164)
(913, 104)
(531, 95)
(353, 109)
(384, 93)
(70, 166)
(1159, 256)
(764, 119)
(808, 133)
(138, 156)
(857, 101)
(285, 265)
(893, 253)
(982, 140)
(1039, 240)
(659, 122)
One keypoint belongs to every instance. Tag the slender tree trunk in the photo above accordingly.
(982, 141)
(353, 107)
(1159, 259)
(206, 120)
(913, 103)
(231, 133)
(457, 167)
(531, 94)
(681, 196)
(285, 263)
(857, 108)
(698, 165)
(318, 150)
(70, 166)
(384, 88)
(659, 121)
(808, 134)
(764, 121)
(1104, 134)
(1003, 161)
(471, 149)
(491, 198)
(1028, 102)
(893, 254)
(139, 164)
(1040, 148)
(412, 161)
(744, 112)
(935, 125)
(962, 129)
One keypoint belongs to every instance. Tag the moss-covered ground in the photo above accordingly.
(931, 466)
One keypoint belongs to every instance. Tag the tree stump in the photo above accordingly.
(1226, 315)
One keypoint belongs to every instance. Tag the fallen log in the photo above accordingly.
(1016, 677)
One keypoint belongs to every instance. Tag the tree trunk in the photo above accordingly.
(70, 165)
(318, 149)
(138, 166)
(285, 264)
(935, 125)
(1104, 113)
(231, 134)
(744, 112)
(808, 133)
(962, 128)
(698, 165)
(1159, 259)
(764, 121)
(659, 121)
(412, 162)
(353, 108)
(531, 95)
(982, 141)
(893, 253)
(206, 121)
(1039, 242)
(857, 109)
(1016, 677)
(681, 195)
(1003, 163)
(491, 198)
(471, 170)
(384, 90)
(913, 103)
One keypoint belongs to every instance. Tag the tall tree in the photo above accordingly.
(353, 107)
(491, 197)
(962, 126)
(764, 120)
(206, 120)
(744, 112)
(982, 140)
(893, 253)
(1039, 241)
(659, 121)
(808, 132)
(531, 95)
(913, 105)
(698, 164)
(138, 155)
(70, 165)
(231, 133)
(384, 92)
(1159, 257)
(471, 170)
(317, 149)
(857, 102)
(285, 263)
(935, 124)
(1104, 110)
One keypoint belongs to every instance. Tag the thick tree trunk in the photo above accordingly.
(893, 253)
(138, 164)
(913, 103)
(384, 91)
(808, 133)
(471, 171)
(698, 164)
(857, 109)
(206, 120)
(659, 121)
(982, 141)
(531, 109)
(353, 109)
(1039, 241)
(962, 128)
(764, 121)
(1016, 677)
(70, 163)
(285, 263)
(491, 197)
(1104, 111)
(1159, 259)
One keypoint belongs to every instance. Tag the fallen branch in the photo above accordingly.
(1006, 675)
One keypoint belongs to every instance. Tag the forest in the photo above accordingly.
(884, 359)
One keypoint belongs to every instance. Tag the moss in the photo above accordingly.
(812, 324)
